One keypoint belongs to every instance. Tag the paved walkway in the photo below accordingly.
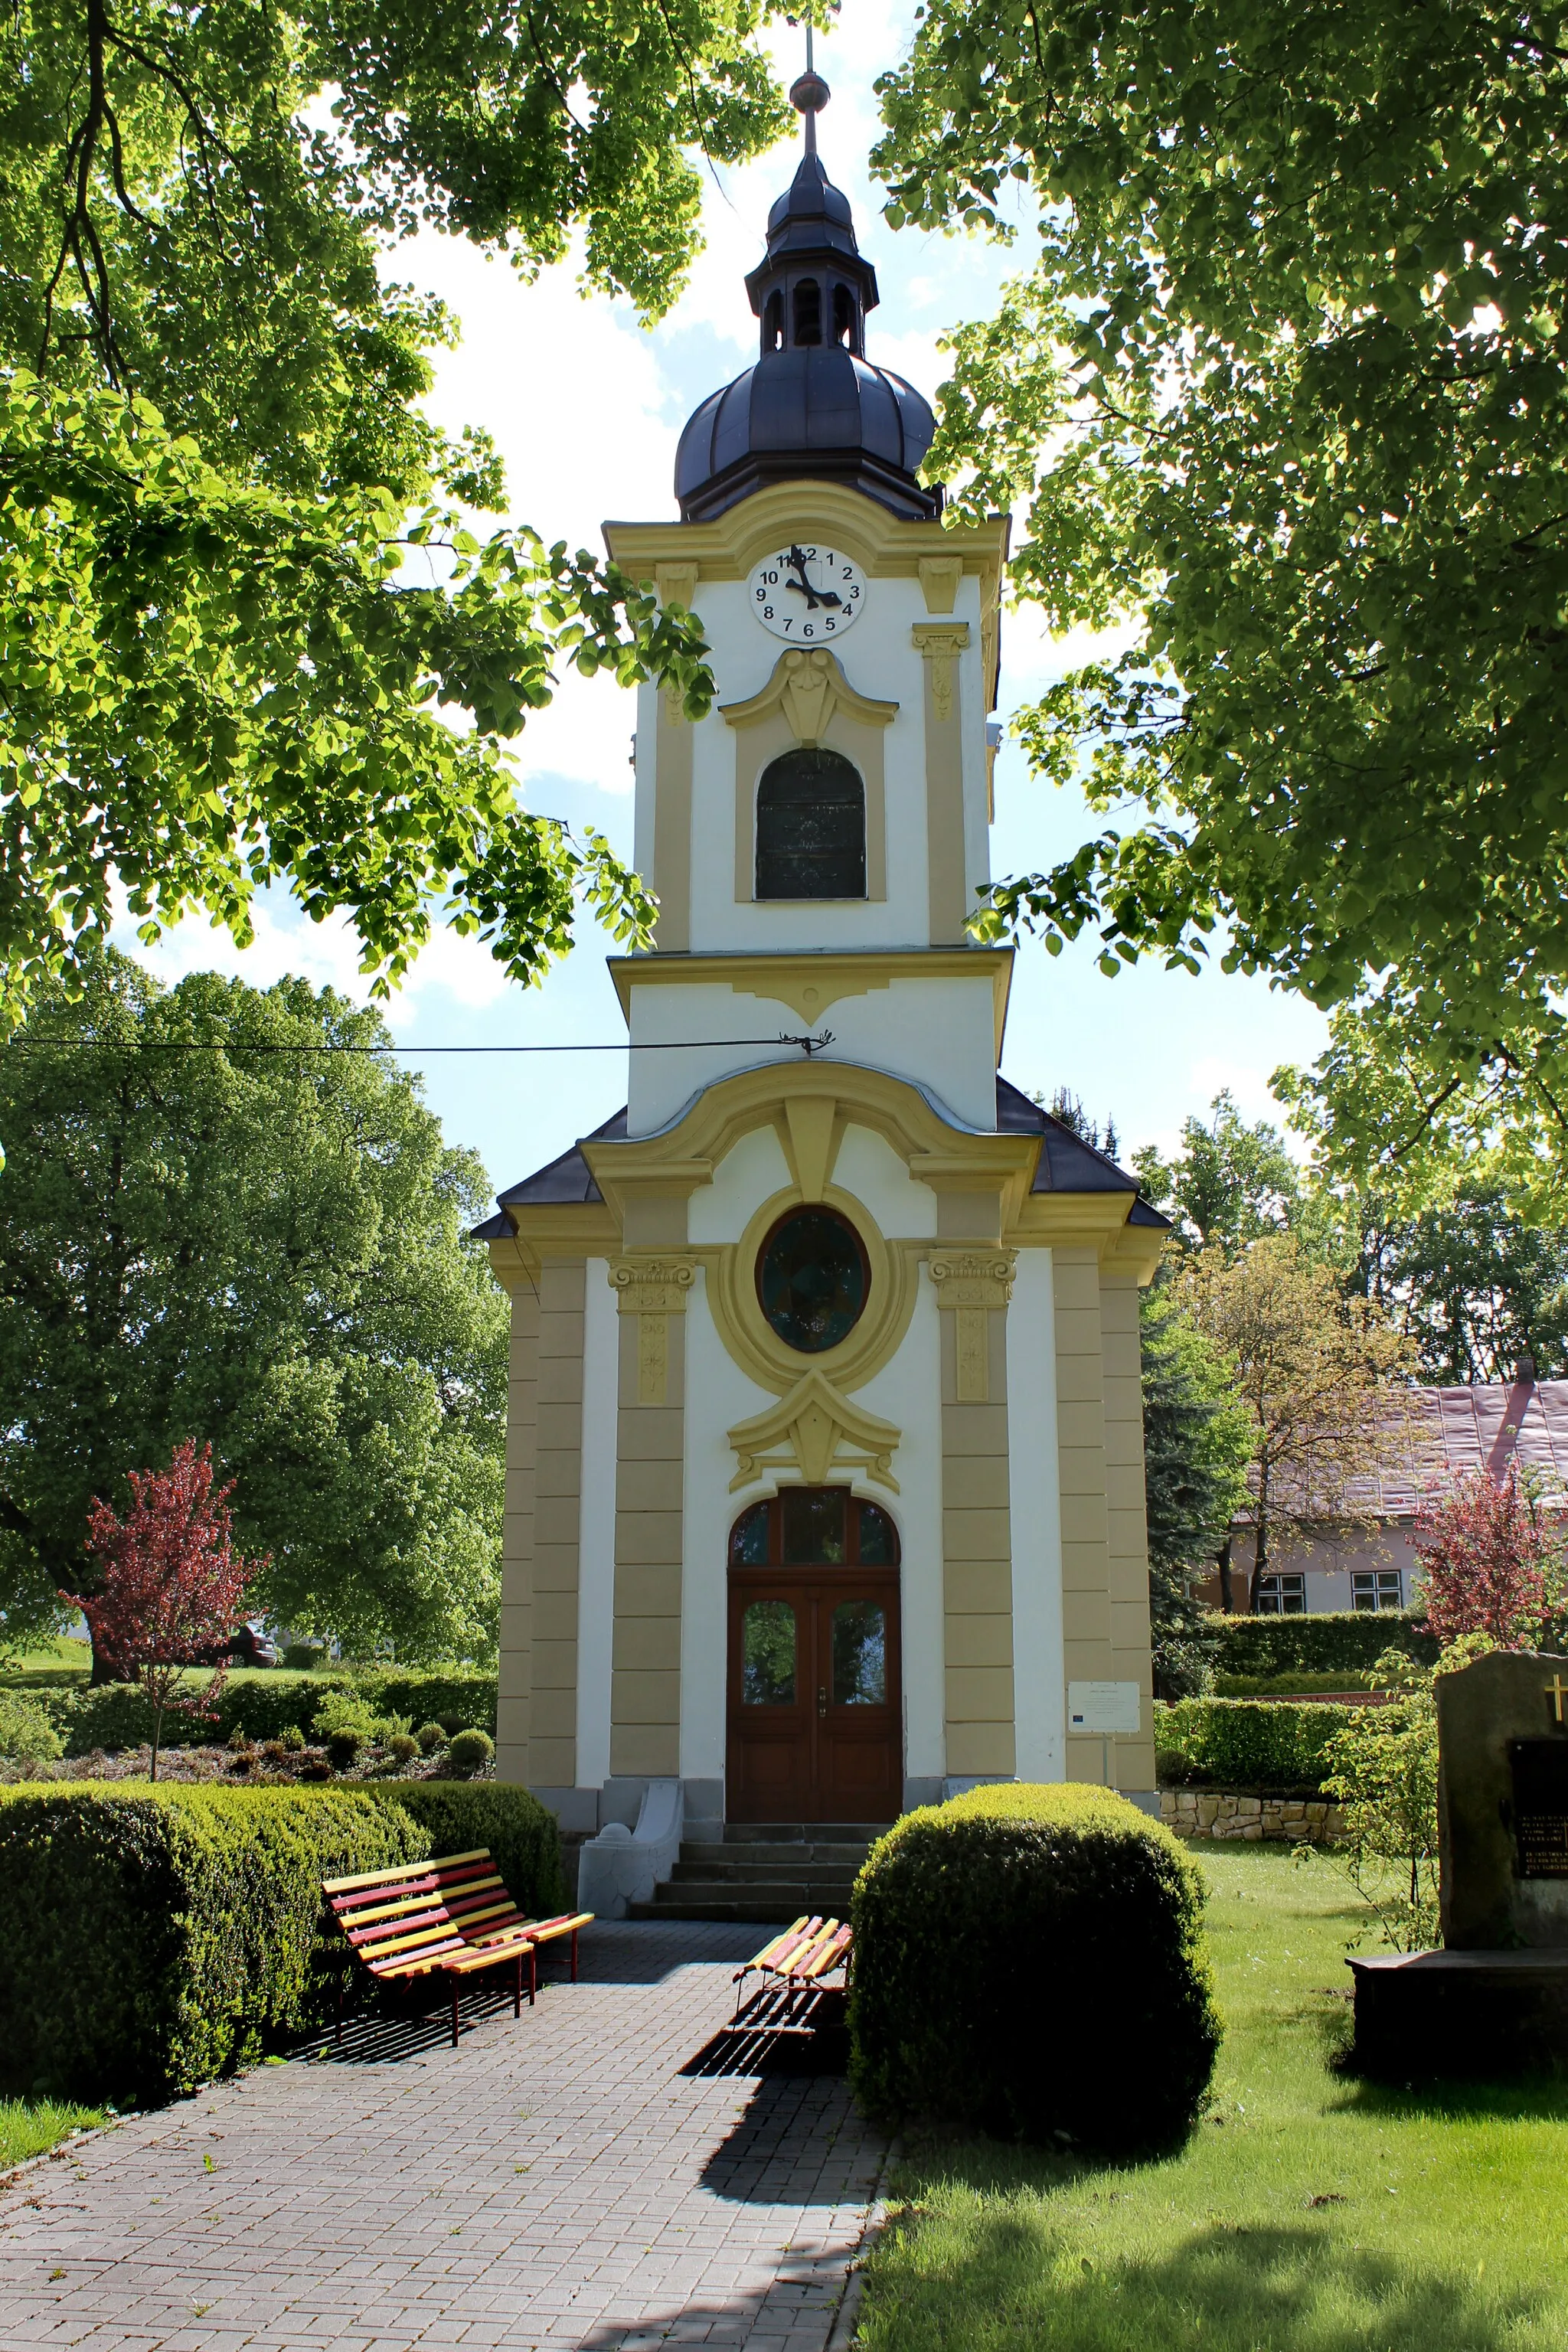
(593, 2179)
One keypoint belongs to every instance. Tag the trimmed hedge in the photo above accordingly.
(1248, 1743)
(157, 1936)
(1030, 1961)
(1346, 1640)
(117, 1715)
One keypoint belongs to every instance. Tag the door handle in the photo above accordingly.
(822, 1702)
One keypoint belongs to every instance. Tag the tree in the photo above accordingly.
(1285, 392)
(1198, 1443)
(1317, 1373)
(241, 596)
(225, 1214)
(1069, 1107)
(1480, 1294)
(171, 1584)
(1230, 1184)
(1488, 1561)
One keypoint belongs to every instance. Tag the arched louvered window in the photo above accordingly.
(773, 322)
(811, 828)
(808, 311)
(843, 316)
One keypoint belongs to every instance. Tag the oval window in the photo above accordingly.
(813, 1279)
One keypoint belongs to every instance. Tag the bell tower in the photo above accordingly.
(825, 1450)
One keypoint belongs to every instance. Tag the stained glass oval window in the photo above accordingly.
(813, 1279)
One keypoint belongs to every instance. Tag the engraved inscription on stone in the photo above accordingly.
(1540, 1807)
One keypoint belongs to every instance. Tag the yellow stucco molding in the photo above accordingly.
(808, 984)
(939, 577)
(941, 643)
(884, 545)
(808, 686)
(652, 1282)
(749, 1338)
(981, 1277)
(815, 1429)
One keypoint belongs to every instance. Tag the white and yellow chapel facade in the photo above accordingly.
(825, 1468)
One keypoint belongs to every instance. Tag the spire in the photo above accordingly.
(808, 96)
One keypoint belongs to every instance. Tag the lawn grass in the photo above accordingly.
(1308, 2212)
(28, 2126)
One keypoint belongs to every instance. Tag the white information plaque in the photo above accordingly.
(1104, 1707)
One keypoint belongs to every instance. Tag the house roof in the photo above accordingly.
(1067, 1165)
(1446, 1434)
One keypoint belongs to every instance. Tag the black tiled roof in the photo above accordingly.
(1067, 1165)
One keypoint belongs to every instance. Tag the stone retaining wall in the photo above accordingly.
(1227, 1813)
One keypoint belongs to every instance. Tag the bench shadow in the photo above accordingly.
(779, 2033)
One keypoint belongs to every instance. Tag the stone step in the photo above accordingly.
(799, 1895)
(761, 1862)
(700, 1874)
(856, 1833)
(764, 1911)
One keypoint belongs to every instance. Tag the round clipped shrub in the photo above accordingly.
(343, 1746)
(315, 1768)
(1030, 1961)
(452, 1724)
(27, 1734)
(468, 1751)
(430, 1736)
(403, 1746)
(291, 1739)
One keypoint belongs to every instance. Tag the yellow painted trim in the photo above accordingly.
(807, 688)
(786, 978)
(749, 1337)
(818, 1430)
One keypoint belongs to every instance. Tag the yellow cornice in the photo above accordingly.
(884, 544)
(808, 984)
(1096, 1221)
(571, 1229)
(808, 686)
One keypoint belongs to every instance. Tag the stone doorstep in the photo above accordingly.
(1237, 1815)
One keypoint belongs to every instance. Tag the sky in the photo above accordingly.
(586, 406)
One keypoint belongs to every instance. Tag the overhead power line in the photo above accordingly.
(808, 1045)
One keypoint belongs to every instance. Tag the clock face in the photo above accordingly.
(806, 592)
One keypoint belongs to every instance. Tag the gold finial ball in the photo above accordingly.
(810, 94)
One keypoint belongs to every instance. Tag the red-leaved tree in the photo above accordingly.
(173, 1585)
(1489, 1560)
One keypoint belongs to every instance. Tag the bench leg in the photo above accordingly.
(532, 1973)
(454, 2013)
(573, 1955)
(517, 1987)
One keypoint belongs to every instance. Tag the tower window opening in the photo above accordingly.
(772, 323)
(843, 316)
(811, 828)
(808, 311)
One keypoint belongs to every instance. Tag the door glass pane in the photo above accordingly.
(859, 1654)
(876, 1538)
(767, 1654)
(814, 1525)
(749, 1537)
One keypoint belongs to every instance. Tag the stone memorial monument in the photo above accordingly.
(1494, 1999)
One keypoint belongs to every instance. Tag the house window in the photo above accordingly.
(811, 827)
(1282, 1596)
(1376, 1588)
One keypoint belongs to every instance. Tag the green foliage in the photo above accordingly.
(222, 667)
(984, 1926)
(158, 1938)
(1479, 1290)
(1244, 1743)
(403, 1746)
(428, 1738)
(1288, 390)
(1351, 1638)
(469, 1751)
(30, 2126)
(26, 1732)
(1197, 1442)
(266, 1248)
(1384, 1777)
(351, 1711)
(266, 1706)
(1229, 1184)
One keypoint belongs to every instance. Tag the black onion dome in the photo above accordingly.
(813, 403)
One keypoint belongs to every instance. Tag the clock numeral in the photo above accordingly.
(767, 612)
(808, 631)
(830, 625)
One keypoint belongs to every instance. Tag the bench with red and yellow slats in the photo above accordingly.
(450, 1916)
(813, 1948)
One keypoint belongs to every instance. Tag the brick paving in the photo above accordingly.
(571, 2183)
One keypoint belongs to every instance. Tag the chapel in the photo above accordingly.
(825, 1466)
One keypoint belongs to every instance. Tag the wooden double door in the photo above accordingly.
(815, 1707)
